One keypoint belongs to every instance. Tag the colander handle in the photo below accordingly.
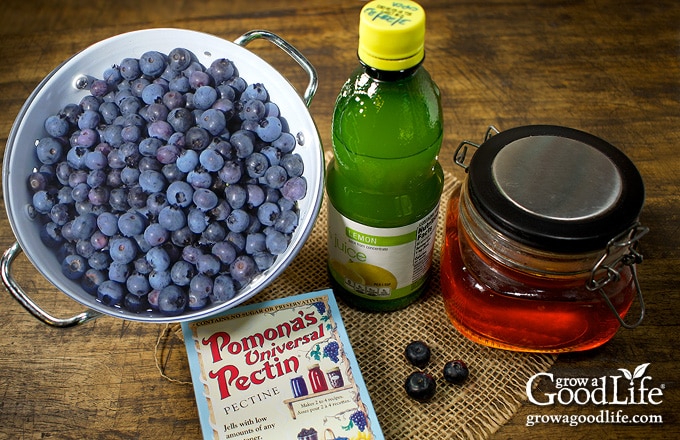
(18, 293)
(246, 38)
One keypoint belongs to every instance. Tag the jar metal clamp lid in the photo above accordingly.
(560, 190)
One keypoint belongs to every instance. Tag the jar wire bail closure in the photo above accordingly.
(607, 270)
(461, 151)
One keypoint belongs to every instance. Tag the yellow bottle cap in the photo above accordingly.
(392, 34)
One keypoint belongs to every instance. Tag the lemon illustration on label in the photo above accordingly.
(345, 272)
(374, 276)
(364, 278)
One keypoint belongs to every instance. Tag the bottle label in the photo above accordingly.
(380, 263)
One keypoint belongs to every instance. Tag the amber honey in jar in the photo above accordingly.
(540, 248)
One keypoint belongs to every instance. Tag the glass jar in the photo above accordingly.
(299, 386)
(539, 253)
(317, 379)
(335, 378)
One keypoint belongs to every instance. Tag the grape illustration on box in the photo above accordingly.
(280, 366)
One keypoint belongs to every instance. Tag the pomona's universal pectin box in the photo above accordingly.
(278, 370)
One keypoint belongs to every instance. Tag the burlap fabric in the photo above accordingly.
(475, 410)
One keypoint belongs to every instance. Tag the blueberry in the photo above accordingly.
(197, 221)
(151, 181)
(74, 267)
(263, 260)
(197, 138)
(204, 199)
(420, 386)
(49, 150)
(43, 201)
(179, 59)
(223, 289)
(295, 188)
(180, 194)
(253, 110)
(267, 213)
(131, 223)
(211, 159)
(159, 279)
(180, 119)
(187, 161)
(172, 300)
(182, 272)
(275, 176)
(122, 250)
(129, 68)
(231, 172)
(276, 242)
(152, 63)
(153, 93)
(137, 284)
(158, 258)
(50, 235)
(293, 164)
(456, 372)
(255, 243)
(136, 303)
(56, 126)
(221, 70)
(107, 223)
(89, 119)
(172, 218)
(199, 178)
(238, 220)
(269, 128)
(418, 353)
(224, 251)
(119, 272)
(91, 281)
(256, 91)
(256, 195)
(236, 196)
(204, 97)
(213, 233)
(286, 222)
(208, 264)
(256, 164)
(243, 143)
(110, 292)
(84, 226)
(285, 143)
(99, 260)
(243, 269)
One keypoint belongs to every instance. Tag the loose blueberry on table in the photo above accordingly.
(420, 386)
(418, 353)
(456, 372)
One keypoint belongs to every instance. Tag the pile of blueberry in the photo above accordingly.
(169, 186)
(421, 385)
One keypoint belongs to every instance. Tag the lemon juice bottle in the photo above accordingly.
(384, 182)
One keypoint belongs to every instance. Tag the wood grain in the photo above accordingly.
(611, 68)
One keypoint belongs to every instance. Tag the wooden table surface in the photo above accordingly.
(611, 68)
